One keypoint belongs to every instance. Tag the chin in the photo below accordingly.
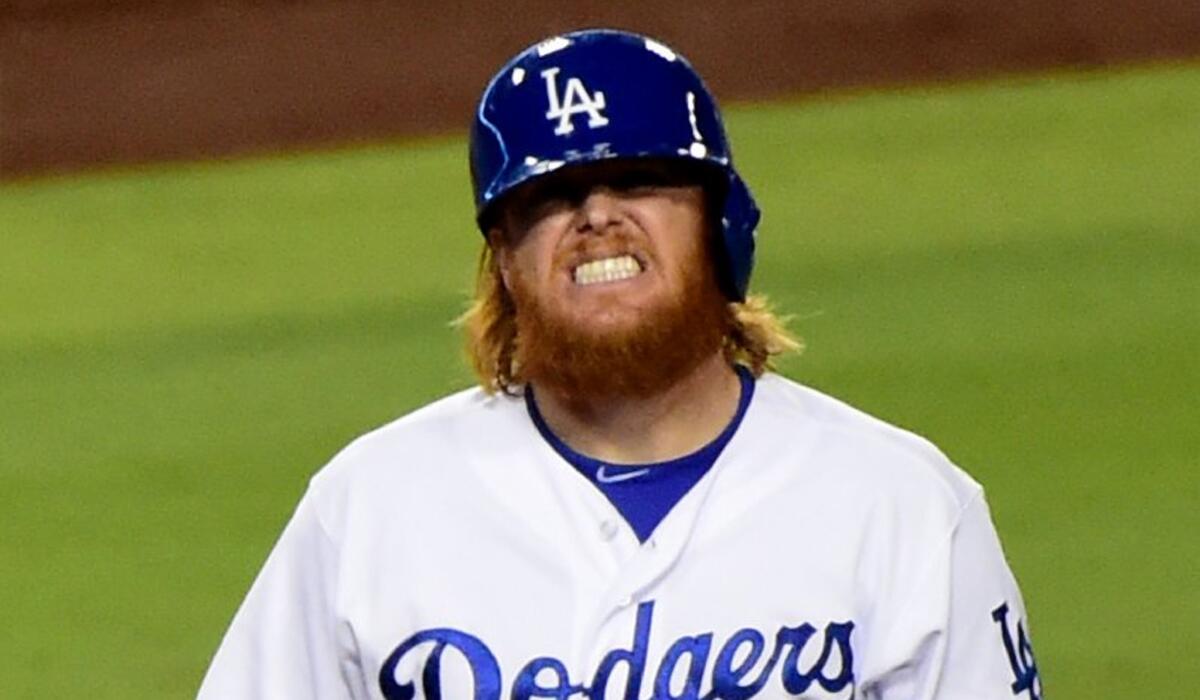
(608, 311)
(603, 322)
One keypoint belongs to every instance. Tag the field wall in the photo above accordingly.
(94, 82)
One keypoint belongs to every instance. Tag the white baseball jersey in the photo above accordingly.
(454, 554)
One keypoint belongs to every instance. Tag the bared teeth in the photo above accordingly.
(607, 270)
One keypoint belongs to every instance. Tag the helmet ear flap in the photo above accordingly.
(732, 219)
(739, 221)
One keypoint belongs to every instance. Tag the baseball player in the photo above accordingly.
(631, 505)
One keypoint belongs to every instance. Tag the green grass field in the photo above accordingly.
(1011, 269)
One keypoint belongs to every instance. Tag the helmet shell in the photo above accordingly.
(598, 94)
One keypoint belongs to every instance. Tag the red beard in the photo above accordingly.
(578, 363)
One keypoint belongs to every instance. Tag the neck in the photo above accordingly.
(624, 430)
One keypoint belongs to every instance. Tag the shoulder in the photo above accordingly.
(432, 422)
(873, 455)
(430, 442)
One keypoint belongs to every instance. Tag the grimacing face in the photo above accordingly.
(603, 244)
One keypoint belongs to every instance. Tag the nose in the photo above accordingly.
(598, 210)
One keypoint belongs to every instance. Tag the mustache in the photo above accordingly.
(587, 248)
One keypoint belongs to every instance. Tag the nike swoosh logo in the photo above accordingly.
(604, 478)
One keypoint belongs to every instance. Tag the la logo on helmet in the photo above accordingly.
(575, 100)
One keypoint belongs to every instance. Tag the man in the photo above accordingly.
(631, 506)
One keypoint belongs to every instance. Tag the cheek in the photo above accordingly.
(534, 257)
(682, 235)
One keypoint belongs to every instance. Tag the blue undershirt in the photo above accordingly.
(645, 493)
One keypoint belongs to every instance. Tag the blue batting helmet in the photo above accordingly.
(598, 94)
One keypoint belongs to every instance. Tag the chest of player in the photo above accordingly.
(540, 590)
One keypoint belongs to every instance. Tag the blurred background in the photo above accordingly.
(233, 233)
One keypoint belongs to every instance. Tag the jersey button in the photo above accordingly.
(608, 529)
(625, 601)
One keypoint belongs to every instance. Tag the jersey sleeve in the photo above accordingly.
(963, 633)
(988, 649)
(284, 640)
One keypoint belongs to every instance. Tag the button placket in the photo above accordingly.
(609, 529)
